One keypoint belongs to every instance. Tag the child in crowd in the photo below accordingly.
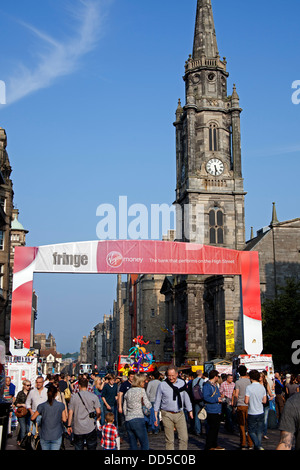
(110, 437)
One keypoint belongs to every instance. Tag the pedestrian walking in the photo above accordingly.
(213, 405)
(241, 407)
(227, 387)
(134, 400)
(292, 387)
(97, 390)
(255, 397)
(110, 436)
(9, 396)
(53, 413)
(75, 385)
(266, 405)
(84, 409)
(196, 396)
(171, 399)
(62, 382)
(22, 412)
(124, 387)
(280, 395)
(110, 396)
(151, 394)
(35, 397)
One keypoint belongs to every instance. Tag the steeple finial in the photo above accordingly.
(205, 41)
(274, 216)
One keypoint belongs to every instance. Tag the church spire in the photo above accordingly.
(274, 220)
(205, 40)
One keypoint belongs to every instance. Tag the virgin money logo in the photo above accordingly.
(114, 259)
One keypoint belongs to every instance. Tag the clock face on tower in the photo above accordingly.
(215, 167)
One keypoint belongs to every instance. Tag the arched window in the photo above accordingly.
(216, 226)
(213, 137)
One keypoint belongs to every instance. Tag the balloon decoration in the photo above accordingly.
(142, 359)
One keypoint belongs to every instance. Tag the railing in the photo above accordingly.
(205, 62)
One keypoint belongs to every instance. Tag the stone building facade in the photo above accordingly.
(278, 245)
(139, 309)
(6, 207)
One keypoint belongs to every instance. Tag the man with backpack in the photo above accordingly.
(197, 400)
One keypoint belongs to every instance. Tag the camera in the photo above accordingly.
(92, 415)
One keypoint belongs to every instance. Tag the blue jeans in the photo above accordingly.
(51, 445)
(24, 423)
(150, 420)
(266, 416)
(255, 429)
(114, 410)
(137, 431)
(37, 423)
(197, 422)
(102, 408)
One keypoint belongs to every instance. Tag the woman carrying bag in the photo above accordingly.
(134, 401)
(53, 415)
(21, 411)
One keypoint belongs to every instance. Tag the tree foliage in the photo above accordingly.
(281, 323)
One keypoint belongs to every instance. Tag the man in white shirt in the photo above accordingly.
(171, 399)
(255, 397)
(35, 397)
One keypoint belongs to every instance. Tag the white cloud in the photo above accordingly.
(57, 58)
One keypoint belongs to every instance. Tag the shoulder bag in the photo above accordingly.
(21, 411)
(91, 414)
(202, 415)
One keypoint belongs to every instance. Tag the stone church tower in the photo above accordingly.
(209, 196)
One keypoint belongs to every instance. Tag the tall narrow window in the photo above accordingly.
(1, 278)
(213, 137)
(1, 240)
(216, 226)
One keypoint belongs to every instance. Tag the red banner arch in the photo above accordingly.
(133, 257)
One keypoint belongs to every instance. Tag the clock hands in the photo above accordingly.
(215, 167)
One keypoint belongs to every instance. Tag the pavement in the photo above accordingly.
(229, 441)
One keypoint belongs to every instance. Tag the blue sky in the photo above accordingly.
(92, 89)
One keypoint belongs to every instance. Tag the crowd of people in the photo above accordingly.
(91, 409)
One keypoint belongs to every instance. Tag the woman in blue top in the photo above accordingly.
(213, 404)
(53, 414)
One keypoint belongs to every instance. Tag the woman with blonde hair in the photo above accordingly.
(22, 412)
(97, 390)
(134, 399)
